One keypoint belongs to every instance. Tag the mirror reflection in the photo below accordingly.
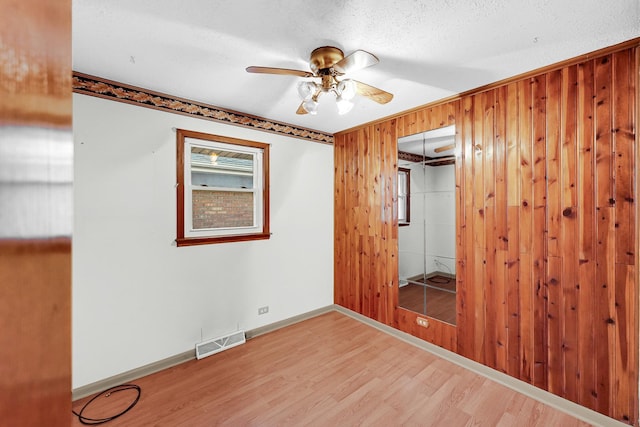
(426, 220)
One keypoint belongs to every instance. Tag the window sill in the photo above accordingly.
(193, 241)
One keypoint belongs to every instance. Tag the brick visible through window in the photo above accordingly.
(221, 209)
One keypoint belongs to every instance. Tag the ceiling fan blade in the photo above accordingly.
(356, 61)
(373, 93)
(444, 148)
(301, 109)
(283, 71)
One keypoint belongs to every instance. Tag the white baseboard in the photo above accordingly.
(134, 374)
(160, 365)
(287, 322)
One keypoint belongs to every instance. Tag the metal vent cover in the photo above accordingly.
(216, 345)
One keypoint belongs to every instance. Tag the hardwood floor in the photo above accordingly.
(440, 304)
(331, 370)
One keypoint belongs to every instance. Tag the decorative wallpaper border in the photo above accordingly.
(402, 155)
(95, 86)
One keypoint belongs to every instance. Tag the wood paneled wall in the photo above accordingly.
(366, 231)
(365, 221)
(547, 228)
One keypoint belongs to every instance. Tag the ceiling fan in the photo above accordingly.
(328, 64)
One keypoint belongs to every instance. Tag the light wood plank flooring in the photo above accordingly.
(331, 370)
(439, 304)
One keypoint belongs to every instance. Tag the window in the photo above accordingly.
(404, 195)
(222, 190)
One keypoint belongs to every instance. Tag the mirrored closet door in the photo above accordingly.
(426, 221)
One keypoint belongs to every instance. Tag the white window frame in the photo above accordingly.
(256, 153)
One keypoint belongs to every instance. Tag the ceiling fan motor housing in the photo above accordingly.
(323, 58)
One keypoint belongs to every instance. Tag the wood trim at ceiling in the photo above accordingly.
(86, 84)
(635, 42)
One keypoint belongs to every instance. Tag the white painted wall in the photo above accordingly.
(137, 298)
(423, 242)
(440, 218)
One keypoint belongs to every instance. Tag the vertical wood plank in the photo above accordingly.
(623, 109)
(553, 251)
(553, 160)
(512, 166)
(604, 171)
(554, 332)
(466, 298)
(500, 161)
(626, 296)
(513, 148)
(605, 256)
(501, 240)
(525, 229)
(490, 269)
(604, 323)
(479, 230)
(356, 190)
(352, 217)
(371, 230)
(512, 286)
(587, 394)
(460, 218)
(625, 360)
(421, 121)
(390, 237)
(410, 123)
(538, 248)
(400, 126)
(339, 256)
(568, 243)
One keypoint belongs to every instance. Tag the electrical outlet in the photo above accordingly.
(263, 310)
(422, 322)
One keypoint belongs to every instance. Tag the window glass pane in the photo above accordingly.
(221, 168)
(402, 209)
(403, 196)
(221, 209)
(402, 183)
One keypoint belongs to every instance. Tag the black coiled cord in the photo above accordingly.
(95, 421)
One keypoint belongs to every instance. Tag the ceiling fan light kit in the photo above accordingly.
(328, 63)
(306, 90)
(310, 106)
(344, 91)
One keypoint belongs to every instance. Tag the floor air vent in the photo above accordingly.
(216, 345)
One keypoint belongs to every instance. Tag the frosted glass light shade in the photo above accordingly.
(347, 89)
(344, 105)
(306, 90)
(310, 106)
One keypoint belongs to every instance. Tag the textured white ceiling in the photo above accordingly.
(428, 50)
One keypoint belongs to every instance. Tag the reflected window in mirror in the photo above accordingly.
(404, 196)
